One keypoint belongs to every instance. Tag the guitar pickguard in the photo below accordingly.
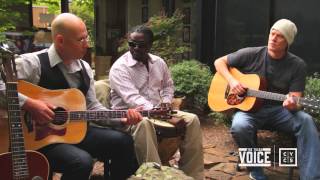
(42, 132)
(45, 131)
(233, 99)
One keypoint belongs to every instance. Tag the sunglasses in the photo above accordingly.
(138, 44)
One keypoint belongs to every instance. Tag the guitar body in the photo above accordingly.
(37, 164)
(37, 137)
(219, 91)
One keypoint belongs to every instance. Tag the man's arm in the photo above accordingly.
(221, 65)
(28, 68)
(297, 86)
(167, 86)
(91, 98)
(3, 101)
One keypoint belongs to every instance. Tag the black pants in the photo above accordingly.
(76, 161)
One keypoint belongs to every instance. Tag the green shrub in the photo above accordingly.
(192, 79)
(313, 85)
(313, 90)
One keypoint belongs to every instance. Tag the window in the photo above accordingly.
(169, 7)
(186, 34)
(144, 11)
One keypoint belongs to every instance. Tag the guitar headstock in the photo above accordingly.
(311, 104)
(7, 64)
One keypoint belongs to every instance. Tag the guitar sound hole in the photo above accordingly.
(60, 117)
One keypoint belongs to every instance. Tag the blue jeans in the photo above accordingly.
(76, 161)
(245, 125)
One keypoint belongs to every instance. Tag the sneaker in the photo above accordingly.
(257, 174)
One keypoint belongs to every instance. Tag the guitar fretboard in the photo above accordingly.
(306, 102)
(102, 115)
(17, 148)
(96, 115)
(108, 117)
(266, 95)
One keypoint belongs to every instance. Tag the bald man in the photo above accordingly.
(61, 67)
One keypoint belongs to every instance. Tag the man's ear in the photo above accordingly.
(59, 39)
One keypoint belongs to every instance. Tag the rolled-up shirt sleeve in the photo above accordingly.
(167, 85)
(27, 66)
(92, 101)
(2, 94)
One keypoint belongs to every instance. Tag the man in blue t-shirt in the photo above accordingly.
(285, 73)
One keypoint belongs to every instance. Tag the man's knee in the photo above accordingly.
(144, 130)
(306, 120)
(126, 142)
(238, 127)
(194, 119)
(84, 163)
(190, 118)
(145, 125)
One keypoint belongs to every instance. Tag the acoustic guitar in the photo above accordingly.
(18, 163)
(221, 99)
(70, 122)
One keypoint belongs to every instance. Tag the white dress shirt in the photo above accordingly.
(132, 85)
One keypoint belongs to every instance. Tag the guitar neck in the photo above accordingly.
(266, 95)
(104, 115)
(17, 148)
(280, 97)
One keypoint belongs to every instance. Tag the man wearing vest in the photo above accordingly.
(61, 67)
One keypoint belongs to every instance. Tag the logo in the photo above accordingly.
(255, 157)
(288, 157)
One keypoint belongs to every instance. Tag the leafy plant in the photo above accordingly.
(192, 79)
(313, 90)
(167, 37)
(85, 10)
(313, 85)
(9, 19)
(82, 8)
(221, 118)
(53, 5)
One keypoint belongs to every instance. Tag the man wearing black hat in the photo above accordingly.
(286, 74)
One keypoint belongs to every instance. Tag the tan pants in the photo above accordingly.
(146, 145)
